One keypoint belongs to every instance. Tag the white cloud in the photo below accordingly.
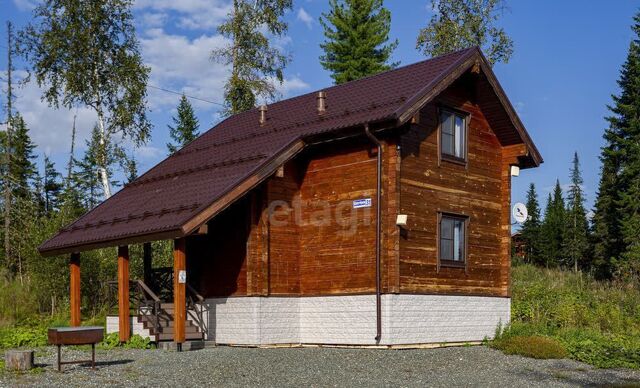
(304, 17)
(191, 14)
(153, 19)
(292, 85)
(182, 64)
(50, 128)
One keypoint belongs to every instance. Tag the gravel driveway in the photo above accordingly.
(228, 366)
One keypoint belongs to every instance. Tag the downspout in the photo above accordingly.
(375, 141)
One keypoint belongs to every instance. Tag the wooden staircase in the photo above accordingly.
(156, 315)
(166, 325)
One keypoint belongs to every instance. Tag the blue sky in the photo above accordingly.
(562, 74)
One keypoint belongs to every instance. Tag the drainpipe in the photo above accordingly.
(375, 141)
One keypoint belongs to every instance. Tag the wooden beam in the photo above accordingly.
(123, 293)
(74, 288)
(179, 290)
(147, 257)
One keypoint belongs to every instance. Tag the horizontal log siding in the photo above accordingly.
(333, 260)
(477, 190)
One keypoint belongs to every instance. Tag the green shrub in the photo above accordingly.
(22, 336)
(135, 342)
(602, 350)
(533, 346)
(594, 322)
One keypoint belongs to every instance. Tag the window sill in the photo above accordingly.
(453, 159)
(452, 264)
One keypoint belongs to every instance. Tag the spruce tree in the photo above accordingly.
(531, 228)
(617, 216)
(357, 35)
(553, 226)
(576, 238)
(185, 127)
(52, 187)
(22, 170)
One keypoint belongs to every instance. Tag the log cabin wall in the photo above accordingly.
(319, 244)
(298, 234)
(479, 190)
(337, 242)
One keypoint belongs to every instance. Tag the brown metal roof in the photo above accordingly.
(185, 190)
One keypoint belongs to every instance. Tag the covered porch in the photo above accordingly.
(162, 305)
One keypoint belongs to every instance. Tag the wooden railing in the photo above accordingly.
(147, 299)
(142, 300)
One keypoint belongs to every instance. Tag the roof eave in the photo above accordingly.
(107, 243)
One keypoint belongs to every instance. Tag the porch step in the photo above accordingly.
(171, 329)
(187, 336)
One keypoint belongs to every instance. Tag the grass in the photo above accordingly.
(556, 313)
(32, 333)
(533, 346)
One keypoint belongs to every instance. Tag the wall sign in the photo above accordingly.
(364, 202)
(182, 276)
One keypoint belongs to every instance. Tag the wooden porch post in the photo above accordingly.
(123, 293)
(146, 263)
(74, 288)
(179, 290)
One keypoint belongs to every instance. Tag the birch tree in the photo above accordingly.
(86, 53)
(255, 62)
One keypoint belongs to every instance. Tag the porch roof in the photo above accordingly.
(178, 195)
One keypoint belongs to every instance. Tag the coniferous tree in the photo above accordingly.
(87, 179)
(22, 170)
(553, 226)
(185, 127)
(52, 187)
(576, 238)
(617, 218)
(531, 228)
(357, 35)
(459, 24)
(255, 62)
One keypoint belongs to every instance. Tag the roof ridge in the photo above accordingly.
(339, 86)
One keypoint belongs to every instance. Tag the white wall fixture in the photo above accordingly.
(515, 170)
(401, 220)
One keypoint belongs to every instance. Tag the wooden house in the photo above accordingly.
(372, 212)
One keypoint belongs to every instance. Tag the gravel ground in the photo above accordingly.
(228, 366)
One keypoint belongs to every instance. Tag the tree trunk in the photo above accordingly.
(102, 168)
(18, 359)
(8, 152)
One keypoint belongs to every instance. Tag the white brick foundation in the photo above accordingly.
(351, 320)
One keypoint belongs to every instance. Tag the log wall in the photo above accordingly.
(478, 190)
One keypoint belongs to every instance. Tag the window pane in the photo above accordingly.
(446, 249)
(446, 120)
(447, 144)
(446, 229)
(458, 241)
(459, 137)
(452, 239)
